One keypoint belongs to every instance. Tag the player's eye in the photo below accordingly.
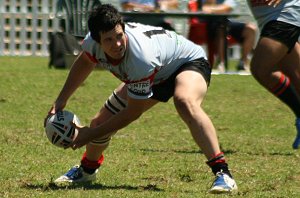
(120, 36)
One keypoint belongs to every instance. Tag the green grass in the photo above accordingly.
(153, 157)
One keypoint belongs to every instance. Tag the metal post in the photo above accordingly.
(199, 3)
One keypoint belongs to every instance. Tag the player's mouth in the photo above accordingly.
(119, 51)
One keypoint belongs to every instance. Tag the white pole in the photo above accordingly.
(2, 27)
(12, 32)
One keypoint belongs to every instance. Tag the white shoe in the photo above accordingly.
(76, 175)
(221, 67)
(223, 184)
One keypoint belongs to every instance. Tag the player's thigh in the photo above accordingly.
(292, 59)
(290, 64)
(277, 39)
(267, 54)
(190, 85)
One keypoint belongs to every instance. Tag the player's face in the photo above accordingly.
(113, 42)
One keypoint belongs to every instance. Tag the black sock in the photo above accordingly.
(88, 170)
(218, 164)
(221, 167)
(286, 92)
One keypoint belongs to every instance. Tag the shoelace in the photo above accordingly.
(74, 172)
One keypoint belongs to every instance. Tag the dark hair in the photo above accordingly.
(104, 18)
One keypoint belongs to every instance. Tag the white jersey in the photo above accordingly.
(152, 55)
(287, 11)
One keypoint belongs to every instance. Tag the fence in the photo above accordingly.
(25, 25)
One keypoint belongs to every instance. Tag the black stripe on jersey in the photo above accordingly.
(154, 32)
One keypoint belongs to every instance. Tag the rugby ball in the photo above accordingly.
(59, 130)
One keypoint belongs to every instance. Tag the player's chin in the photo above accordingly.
(118, 55)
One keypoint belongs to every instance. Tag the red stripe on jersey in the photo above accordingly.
(151, 78)
(91, 57)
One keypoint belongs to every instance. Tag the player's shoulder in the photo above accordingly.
(88, 43)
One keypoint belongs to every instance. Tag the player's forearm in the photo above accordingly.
(115, 123)
(78, 73)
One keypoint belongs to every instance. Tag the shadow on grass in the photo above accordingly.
(89, 186)
(228, 151)
(271, 153)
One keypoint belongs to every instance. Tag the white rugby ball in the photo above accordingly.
(59, 130)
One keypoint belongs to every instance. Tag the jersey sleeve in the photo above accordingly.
(88, 46)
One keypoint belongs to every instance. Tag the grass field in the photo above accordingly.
(153, 157)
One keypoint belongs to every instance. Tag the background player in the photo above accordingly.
(276, 59)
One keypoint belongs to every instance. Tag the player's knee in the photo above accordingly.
(114, 104)
(183, 103)
(254, 70)
(259, 72)
(250, 32)
(101, 142)
(251, 27)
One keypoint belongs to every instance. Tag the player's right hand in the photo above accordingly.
(57, 106)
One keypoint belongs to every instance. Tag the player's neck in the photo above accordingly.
(114, 61)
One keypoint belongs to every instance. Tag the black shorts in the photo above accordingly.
(165, 90)
(234, 28)
(285, 33)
